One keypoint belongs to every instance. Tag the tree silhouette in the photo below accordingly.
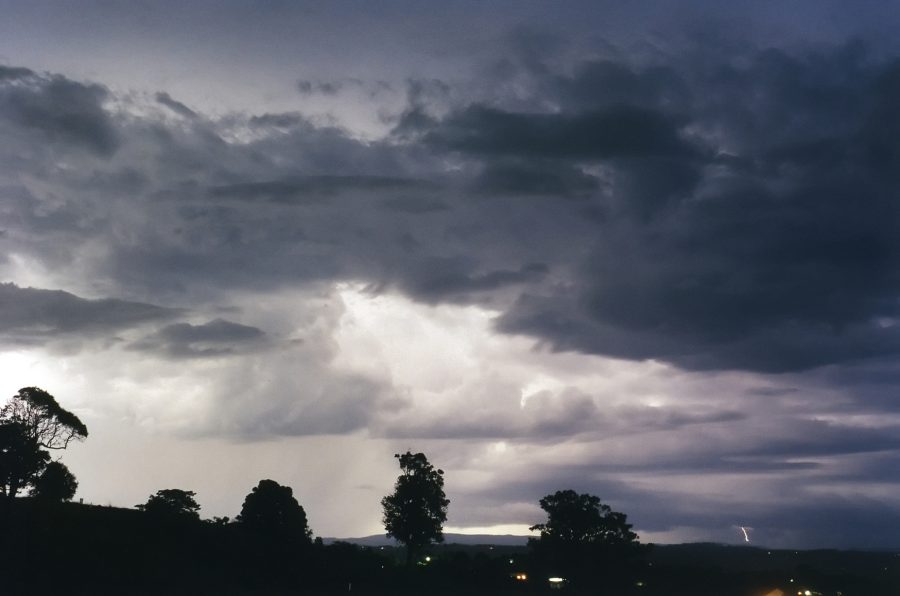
(55, 483)
(31, 422)
(172, 503)
(415, 512)
(271, 508)
(582, 535)
(574, 518)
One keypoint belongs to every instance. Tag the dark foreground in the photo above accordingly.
(82, 549)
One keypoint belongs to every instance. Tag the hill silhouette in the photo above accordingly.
(449, 538)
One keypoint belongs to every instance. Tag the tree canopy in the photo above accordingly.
(415, 512)
(51, 425)
(271, 508)
(55, 483)
(574, 518)
(582, 535)
(172, 503)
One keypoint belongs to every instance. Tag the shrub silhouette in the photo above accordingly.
(271, 509)
(56, 483)
(172, 503)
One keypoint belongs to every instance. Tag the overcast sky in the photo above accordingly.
(644, 250)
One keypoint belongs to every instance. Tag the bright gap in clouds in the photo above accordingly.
(508, 423)
(497, 530)
(423, 347)
(20, 369)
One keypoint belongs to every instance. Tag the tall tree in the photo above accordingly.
(415, 512)
(582, 535)
(31, 422)
(272, 509)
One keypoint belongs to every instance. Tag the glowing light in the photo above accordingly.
(746, 532)
(555, 580)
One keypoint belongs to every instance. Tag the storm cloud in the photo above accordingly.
(31, 315)
(57, 108)
(644, 208)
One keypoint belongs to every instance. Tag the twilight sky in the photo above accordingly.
(644, 250)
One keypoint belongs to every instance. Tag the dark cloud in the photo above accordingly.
(174, 105)
(58, 108)
(212, 339)
(609, 82)
(736, 206)
(327, 87)
(813, 438)
(789, 346)
(14, 72)
(298, 187)
(620, 131)
(775, 251)
(534, 177)
(282, 120)
(830, 522)
(415, 204)
(438, 279)
(31, 315)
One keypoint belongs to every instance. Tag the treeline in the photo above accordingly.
(72, 548)
(269, 544)
(69, 548)
(60, 548)
(50, 545)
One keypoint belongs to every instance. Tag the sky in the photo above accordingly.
(647, 251)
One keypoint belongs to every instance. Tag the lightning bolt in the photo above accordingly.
(746, 532)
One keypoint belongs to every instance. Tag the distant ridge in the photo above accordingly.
(467, 539)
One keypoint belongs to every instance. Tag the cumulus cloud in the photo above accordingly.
(57, 108)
